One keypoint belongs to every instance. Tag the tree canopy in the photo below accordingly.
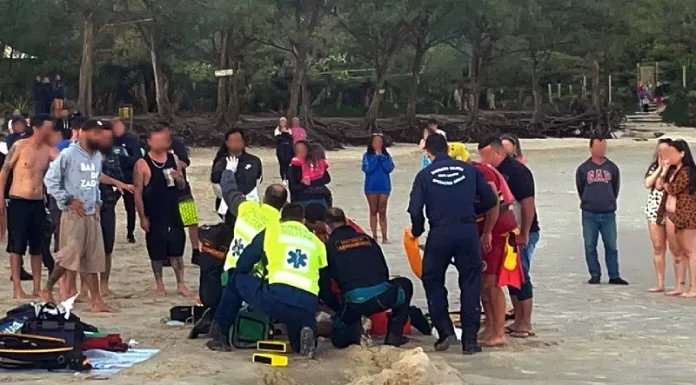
(358, 58)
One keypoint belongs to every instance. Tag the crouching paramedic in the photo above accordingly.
(358, 266)
(494, 241)
(251, 217)
(447, 189)
(294, 257)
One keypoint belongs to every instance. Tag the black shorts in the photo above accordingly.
(26, 221)
(108, 227)
(164, 242)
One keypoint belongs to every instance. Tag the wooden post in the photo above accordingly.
(610, 89)
(637, 74)
(550, 94)
(558, 85)
(657, 73)
(684, 77)
(584, 87)
(570, 89)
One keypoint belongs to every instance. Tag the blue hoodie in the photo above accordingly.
(75, 175)
(377, 169)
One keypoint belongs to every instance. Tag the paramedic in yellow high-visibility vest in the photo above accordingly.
(251, 217)
(294, 258)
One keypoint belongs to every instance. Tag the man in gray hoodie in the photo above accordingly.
(73, 180)
(598, 182)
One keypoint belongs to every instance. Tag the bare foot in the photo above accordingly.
(101, 307)
(161, 292)
(675, 292)
(483, 335)
(689, 294)
(82, 298)
(47, 295)
(493, 342)
(106, 292)
(21, 295)
(185, 292)
(657, 289)
(385, 241)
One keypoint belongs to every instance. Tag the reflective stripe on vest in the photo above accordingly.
(252, 218)
(295, 256)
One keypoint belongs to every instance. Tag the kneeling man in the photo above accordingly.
(356, 263)
(295, 256)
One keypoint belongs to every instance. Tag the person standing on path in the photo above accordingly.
(678, 209)
(598, 180)
(448, 189)
(521, 183)
(158, 181)
(284, 148)
(73, 180)
(298, 132)
(377, 165)
(127, 147)
(25, 213)
(657, 230)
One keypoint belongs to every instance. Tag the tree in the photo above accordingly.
(379, 30)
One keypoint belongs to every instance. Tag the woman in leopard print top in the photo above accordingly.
(678, 209)
(658, 233)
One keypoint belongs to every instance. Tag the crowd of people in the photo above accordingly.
(292, 250)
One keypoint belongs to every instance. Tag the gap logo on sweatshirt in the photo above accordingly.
(598, 176)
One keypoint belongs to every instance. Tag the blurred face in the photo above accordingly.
(235, 143)
(19, 127)
(64, 114)
(295, 122)
(107, 142)
(509, 147)
(56, 137)
(301, 150)
(45, 131)
(661, 150)
(119, 128)
(159, 142)
(432, 127)
(283, 123)
(673, 155)
(377, 143)
(599, 148)
(93, 139)
(492, 156)
(46, 80)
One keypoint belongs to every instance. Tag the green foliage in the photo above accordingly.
(677, 110)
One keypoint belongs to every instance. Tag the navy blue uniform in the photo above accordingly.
(448, 189)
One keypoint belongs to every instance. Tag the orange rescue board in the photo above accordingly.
(413, 252)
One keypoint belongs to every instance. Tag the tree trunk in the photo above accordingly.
(596, 92)
(538, 115)
(221, 109)
(304, 113)
(297, 76)
(84, 98)
(480, 58)
(415, 81)
(232, 113)
(370, 122)
(164, 107)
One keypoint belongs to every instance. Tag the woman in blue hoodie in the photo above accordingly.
(377, 165)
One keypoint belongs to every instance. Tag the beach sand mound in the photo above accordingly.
(386, 365)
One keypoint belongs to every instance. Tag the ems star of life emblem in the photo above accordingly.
(484, 266)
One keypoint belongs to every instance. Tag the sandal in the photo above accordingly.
(522, 335)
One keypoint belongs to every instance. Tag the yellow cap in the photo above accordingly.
(458, 151)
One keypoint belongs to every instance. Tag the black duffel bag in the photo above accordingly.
(215, 242)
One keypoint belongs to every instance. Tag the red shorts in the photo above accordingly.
(493, 260)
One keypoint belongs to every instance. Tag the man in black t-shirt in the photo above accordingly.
(521, 182)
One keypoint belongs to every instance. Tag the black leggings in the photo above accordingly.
(284, 153)
(129, 203)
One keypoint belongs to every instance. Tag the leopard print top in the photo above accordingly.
(685, 215)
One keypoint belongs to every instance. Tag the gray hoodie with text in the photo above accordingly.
(75, 175)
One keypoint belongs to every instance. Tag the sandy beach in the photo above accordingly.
(586, 335)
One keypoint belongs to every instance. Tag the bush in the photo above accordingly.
(677, 110)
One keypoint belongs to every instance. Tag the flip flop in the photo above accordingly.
(522, 335)
(509, 330)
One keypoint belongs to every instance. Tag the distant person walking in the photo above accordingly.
(127, 147)
(598, 181)
(38, 96)
(284, 148)
(432, 128)
(657, 230)
(58, 94)
(377, 165)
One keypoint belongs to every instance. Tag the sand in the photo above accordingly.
(570, 343)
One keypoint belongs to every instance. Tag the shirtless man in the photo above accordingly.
(158, 181)
(28, 161)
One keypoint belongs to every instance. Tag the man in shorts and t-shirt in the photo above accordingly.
(493, 249)
(25, 214)
(158, 184)
(73, 180)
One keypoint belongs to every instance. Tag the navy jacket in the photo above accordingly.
(289, 295)
(127, 147)
(448, 189)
